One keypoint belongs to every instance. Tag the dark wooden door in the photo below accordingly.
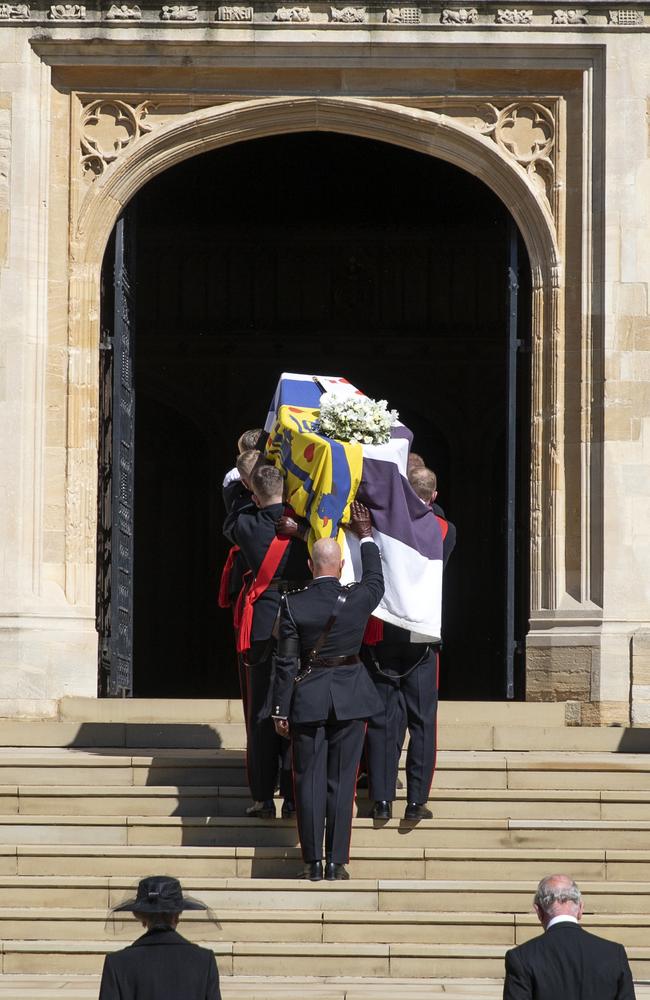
(116, 466)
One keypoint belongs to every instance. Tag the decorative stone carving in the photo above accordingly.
(178, 13)
(511, 15)
(123, 12)
(14, 11)
(107, 128)
(67, 12)
(349, 15)
(627, 18)
(403, 15)
(461, 15)
(292, 14)
(234, 14)
(569, 17)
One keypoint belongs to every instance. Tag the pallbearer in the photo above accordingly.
(323, 694)
(276, 564)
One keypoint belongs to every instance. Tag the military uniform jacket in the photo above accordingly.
(349, 690)
(568, 963)
(254, 530)
(160, 965)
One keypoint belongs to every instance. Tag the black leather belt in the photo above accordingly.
(335, 661)
(283, 585)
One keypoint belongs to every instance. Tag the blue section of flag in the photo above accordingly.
(294, 393)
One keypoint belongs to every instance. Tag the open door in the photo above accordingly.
(116, 465)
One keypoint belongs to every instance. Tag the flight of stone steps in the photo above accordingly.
(112, 791)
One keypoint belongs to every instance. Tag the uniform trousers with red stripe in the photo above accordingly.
(325, 763)
(409, 693)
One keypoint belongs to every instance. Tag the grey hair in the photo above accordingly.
(554, 890)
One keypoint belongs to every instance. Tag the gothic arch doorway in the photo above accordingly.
(382, 263)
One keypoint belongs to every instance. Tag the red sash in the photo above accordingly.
(245, 602)
(444, 526)
(224, 585)
(374, 631)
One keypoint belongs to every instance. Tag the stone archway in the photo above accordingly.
(487, 156)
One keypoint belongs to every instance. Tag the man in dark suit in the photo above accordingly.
(323, 695)
(160, 965)
(566, 962)
(253, 529)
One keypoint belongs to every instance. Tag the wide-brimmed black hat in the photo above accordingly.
(160, 894)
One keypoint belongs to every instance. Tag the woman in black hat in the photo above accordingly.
(160, 965)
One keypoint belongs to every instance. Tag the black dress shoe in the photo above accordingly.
(335, 872)
(313, 871)
(382, 809)
(288, 809)
(262, 810)
(415, 810)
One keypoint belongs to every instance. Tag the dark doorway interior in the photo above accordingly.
(333, 254)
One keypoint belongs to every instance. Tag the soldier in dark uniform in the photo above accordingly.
(254, 531)
(323, 695)
(406, 676)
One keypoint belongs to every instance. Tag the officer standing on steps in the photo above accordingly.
(406, 677)
(323, 695)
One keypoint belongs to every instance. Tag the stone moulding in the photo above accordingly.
(14, 11)
(234, 14)
(179, 13)
(349, 15)
(67, 12)
(461, 15)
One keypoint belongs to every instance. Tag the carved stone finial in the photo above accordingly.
(569, 17)
(403, 15)
(179, 13)
(627, 18)
(292, 14)
(511, 15)
(349, 15)
(234, 14)
(67, 12)
(123, 12)
(14, 11)
(460, 15)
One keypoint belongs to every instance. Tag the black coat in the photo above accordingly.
(349, 689)
(160, 965)
(568, 963)
(254, 530)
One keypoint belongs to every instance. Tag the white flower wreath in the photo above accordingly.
(355, 418)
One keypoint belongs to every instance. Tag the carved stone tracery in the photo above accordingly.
(107, 128)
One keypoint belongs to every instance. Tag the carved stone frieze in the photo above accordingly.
(14, 11)
(627, 18)
(569, 17)
(460, 15)
(349, 15)
(403, 15)
(179, 13)
(107, 128)
(512, 15)
(67, 12)
(234, 14)
(123, 12)
(292, 14)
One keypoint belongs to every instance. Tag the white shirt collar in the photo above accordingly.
(564, 918)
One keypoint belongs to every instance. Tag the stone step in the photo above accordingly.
(404, 895)
(170, 831)
(232, 801)
(209, 767)
(315, 926)
(231, 735)
(272, 959)
(200, 711)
